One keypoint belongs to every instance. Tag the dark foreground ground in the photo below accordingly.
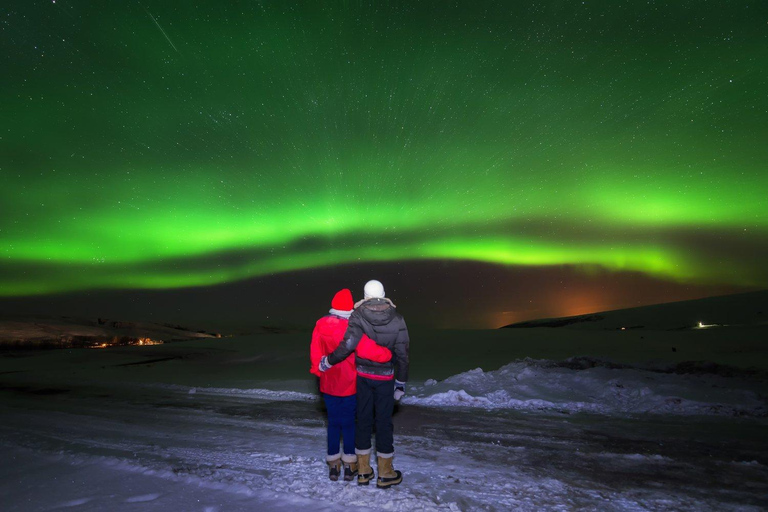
(182, 428)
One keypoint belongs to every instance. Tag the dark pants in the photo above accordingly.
(341, 423)
(375, 398)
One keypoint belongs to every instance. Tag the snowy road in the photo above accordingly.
(160, 447)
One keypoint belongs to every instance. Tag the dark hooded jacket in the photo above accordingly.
(380, 321)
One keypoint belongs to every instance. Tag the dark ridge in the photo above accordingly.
(150, 361)
(730, 311)
(68, 341)
(555, 322)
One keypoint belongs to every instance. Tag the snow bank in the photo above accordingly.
(589, 385)
(257, 393)
(579, 384)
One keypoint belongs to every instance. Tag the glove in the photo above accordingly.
(399, 390)
(324, 364)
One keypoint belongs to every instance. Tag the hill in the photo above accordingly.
(66, 332)
(744, 309)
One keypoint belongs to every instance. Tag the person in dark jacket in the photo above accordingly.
(376, 317)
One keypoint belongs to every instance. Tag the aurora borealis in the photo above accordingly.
(161, 145)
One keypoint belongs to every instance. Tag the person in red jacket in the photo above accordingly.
(339, 384)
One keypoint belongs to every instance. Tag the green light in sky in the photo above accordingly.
(236, 144)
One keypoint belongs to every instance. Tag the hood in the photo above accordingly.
(377, 311)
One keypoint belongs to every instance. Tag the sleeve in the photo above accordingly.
(349, 342)
(369, 349)
(402, 347)
(315, 352)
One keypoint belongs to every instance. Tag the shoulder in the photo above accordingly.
(329, 321)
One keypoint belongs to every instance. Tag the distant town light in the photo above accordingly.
(149, 341)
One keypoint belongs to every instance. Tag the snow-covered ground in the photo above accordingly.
(236, 425)
(589, 385)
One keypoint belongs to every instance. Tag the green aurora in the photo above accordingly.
(170, 144)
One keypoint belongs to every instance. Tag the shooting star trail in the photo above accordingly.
(163, 31)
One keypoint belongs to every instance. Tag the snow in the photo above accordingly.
(599, 387)
(236, 424)
(263, 394)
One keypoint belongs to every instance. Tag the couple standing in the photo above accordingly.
(365, 385)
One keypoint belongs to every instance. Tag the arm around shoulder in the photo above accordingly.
(369, 349)
(348, 343)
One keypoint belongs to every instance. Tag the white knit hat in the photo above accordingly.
(373, 290)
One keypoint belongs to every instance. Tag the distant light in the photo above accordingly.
(623, 328)
(701, 324)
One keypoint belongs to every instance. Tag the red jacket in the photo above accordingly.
(341, 379)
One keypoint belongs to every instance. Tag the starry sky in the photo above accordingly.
(590, 155)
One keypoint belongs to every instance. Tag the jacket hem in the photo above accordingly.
(375, 377)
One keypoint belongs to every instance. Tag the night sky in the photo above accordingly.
(489, 161)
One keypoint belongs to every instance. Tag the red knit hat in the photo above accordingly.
(343, 300)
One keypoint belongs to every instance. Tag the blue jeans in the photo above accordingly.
(375, 399)
(341, 422)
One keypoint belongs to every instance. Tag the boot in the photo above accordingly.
(350, 467)
(365, 472)
(387, 474)
(334, 469)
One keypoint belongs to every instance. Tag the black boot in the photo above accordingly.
(350, 471)
(334, 469)
(350, 466)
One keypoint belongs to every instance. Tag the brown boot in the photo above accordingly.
(364, 470)
(350, 467)
(388, 476)
(334, 469)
